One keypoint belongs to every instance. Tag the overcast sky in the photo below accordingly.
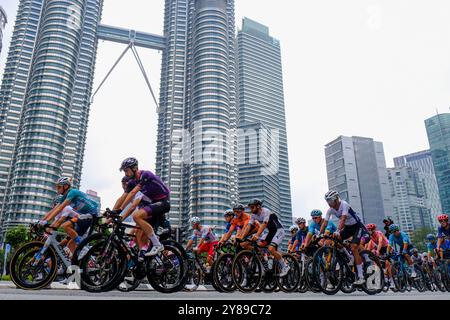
(351, 67)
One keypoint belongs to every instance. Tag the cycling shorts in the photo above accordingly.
(356, 232)
(155, 209)
(207, 247)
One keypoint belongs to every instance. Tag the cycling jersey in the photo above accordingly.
(399, 241)
(314, 227)
(301, 235)
(417, 259)
(443, 233)
(241, 222)
(375, 239)
(206, 233)
(266, 217)
(227, 227)
(80, 202)
(151, 186)
(344, 210)
(431, 248)
(67, 212)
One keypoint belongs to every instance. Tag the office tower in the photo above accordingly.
(44, 103)
(196, 148)
(422, 163)
(3, 22)
(93, 195)
(438, 131)
(356, 168)
(409, 199)
(262, 119)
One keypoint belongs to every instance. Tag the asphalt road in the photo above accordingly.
(64, 294)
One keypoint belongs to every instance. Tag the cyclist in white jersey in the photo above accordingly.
(208, 239)
(350, 226)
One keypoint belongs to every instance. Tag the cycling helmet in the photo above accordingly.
(300, 220)
(431, 237)
(331, 195)
(128, 163)
(388, 219)
(293, 227)
(255, 202)
(316, 213)
(228, 213)
(414, 250)
(371, 226)
(64, 182)
(443, 217)
(239, 207)
(425, 255)
(393, 228)
(195, 220)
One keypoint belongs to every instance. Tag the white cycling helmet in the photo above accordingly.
(64, 181)
(331, 195)
(292, 228)
(195, 220)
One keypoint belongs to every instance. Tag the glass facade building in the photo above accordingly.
(44, 103)
(356, 168)
(3, 22)
(261, 107)
(422, 163)
(438, 131)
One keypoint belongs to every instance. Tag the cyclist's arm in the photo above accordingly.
(131, 209)
(380, 243)
(227, 235)
(405, 246)
(323, 226)
(189, 244)
(294, 245)
(130, 196)
(308, 239)
(261, 229)
(55, 211)
(120, 201)
(342, 223)
(439, 242)
(245, 231)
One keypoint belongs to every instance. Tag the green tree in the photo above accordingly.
(418, 238)
(16, 237)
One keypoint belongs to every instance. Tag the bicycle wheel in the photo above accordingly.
(246, 271)
(419, 280)
(165, 271)
(438, 281)
(347, 282)
(373, 273)
(328, 270)
(268, 283)
(222, 272)
(290, 282)
(312, 285)
(193, 276)
(104, 267)
(399, 276)
(84, 247)
(29, 274)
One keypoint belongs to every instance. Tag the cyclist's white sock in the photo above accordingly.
(359, 267)
(154, 239)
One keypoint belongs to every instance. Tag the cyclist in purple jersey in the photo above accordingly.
(153, 188)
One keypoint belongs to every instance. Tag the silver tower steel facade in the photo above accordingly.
(261, 101)
(196, 149)
(44, 103)
(3, 22)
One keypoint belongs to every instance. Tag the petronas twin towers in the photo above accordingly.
(45, 102)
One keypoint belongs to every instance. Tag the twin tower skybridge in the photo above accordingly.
(132, 39)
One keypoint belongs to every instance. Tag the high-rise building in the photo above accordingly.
(93, 195)
(438, 131)
(196, 145)
(44, 103)
(261, 108)
(409, 199)
(356, 168)
(3, 22)
(422, 163)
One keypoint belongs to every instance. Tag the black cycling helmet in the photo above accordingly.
(255, 202)
(238, 207)
(128, 163)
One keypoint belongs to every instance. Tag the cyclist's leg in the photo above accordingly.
(69, 228)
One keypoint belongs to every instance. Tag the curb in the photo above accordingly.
(74, 286)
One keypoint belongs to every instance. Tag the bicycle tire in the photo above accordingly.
(372, 279)
(31, 248)
(226, 258)
(290, 282)
(320, 278)
(399, 277)
(237, 270)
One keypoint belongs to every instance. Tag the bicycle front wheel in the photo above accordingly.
(373, 273)
(246, 271)
(290, 282)
(328, 270)
(222, 275)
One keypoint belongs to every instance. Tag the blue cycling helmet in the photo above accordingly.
(393, 228)
(316, 213)
(431, 237)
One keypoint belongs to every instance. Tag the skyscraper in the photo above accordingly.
(409, 199)
(3, 22)
(44, 103)
(261, 108)
(356, 168)
(196, 148)
(422, 163)
(438, 131)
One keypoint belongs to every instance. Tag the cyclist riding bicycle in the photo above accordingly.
(270, 231)
(154, 189)
(75, 206)
(416, 257)
(315, 226)
(378, 243)
(350, 226)
(301, 233)
(432, 250)
(292, 247)
(208, 239)
(238, 222)
(399, 243)
(443, 236)
(387, 222)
